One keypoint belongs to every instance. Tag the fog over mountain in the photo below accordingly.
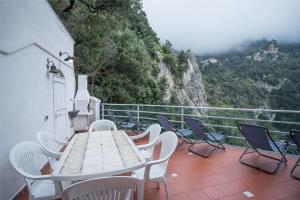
(212, 26)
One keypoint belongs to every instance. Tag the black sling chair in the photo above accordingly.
(183, 134)
(204, 137)
(259, 139)
(295, 135)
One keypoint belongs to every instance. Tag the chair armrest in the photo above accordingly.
(139, 136)
(144, 146)
(61, 142)
(53, 154)
(154, 162)
(37, 177)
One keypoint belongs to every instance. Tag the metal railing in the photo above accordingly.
(279, 122)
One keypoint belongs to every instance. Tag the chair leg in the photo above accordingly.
(219, 146)
(295, 166)
(166, 188)
(281, 160)
(140, 191)
(157, 185)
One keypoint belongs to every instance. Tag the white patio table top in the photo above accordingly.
(98, 154)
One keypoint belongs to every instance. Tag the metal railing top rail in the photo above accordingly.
(136, 108)
(206, 124)
(209, 108)
(209, 116)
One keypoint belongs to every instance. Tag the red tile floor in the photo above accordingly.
(221, 176)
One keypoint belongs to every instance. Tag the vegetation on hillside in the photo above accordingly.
(116, 47)
(240, 81)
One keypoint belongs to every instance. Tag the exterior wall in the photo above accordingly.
(30, 33)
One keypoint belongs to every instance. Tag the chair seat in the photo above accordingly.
(218, 136)
(281, 145)
(45, 189)
(185, 132)
(146, 153)
(128, 125)
(156, 173)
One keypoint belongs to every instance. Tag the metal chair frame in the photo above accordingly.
(138, 125)
(165, 123)
(200, 133)
(256, 148)
(295, 135)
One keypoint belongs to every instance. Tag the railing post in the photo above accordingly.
(102, 111)
(182, 115)
(138, 116)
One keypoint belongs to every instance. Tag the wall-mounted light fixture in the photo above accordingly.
(51, 67)
(69, 58)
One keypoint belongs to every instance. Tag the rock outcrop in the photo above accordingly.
(192, 92)
(269, 52)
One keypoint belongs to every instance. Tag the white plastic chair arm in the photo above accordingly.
(139, 136)
(144, 146)
(61, 142)
(53, 154)
(154, 162)
(37, 177)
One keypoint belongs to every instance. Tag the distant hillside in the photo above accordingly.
(263, 75)
(120, 52)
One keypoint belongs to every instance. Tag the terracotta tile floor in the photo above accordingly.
(221, 176)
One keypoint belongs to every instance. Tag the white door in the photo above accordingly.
(60, 108)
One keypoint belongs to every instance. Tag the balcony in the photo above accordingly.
(220, 176)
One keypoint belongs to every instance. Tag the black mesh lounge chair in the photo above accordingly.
(295, 135)
(203, 136)
(259, 139)
(133, 124)
(183, 134)
(115, 120)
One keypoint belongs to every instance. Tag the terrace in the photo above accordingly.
(220, 176)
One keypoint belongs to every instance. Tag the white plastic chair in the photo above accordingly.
(103, 125)
(146, 150)
(49, 142)
(24, 157)
(156, 170)
(113, 188)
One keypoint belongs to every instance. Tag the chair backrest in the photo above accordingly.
(295, 135)
(25, 157)
(103, 125)
(169, 143)
(48, 142)
(196, 126)
(164, 122)
(111, 188)
(154, 132)
(257, 136)
(131, 118)
(112, 116)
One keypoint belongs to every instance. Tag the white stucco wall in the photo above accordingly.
(30, 32)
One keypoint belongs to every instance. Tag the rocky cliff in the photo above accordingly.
(190, 91)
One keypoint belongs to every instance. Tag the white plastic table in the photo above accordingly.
(98, 154)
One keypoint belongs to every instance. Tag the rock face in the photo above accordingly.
(192, 93)
(193, 83)
(269, 52)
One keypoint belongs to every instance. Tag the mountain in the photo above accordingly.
(260, 76)
(116, 46)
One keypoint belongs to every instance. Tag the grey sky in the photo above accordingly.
(209, 26)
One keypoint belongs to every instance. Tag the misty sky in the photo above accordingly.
(210, 26)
